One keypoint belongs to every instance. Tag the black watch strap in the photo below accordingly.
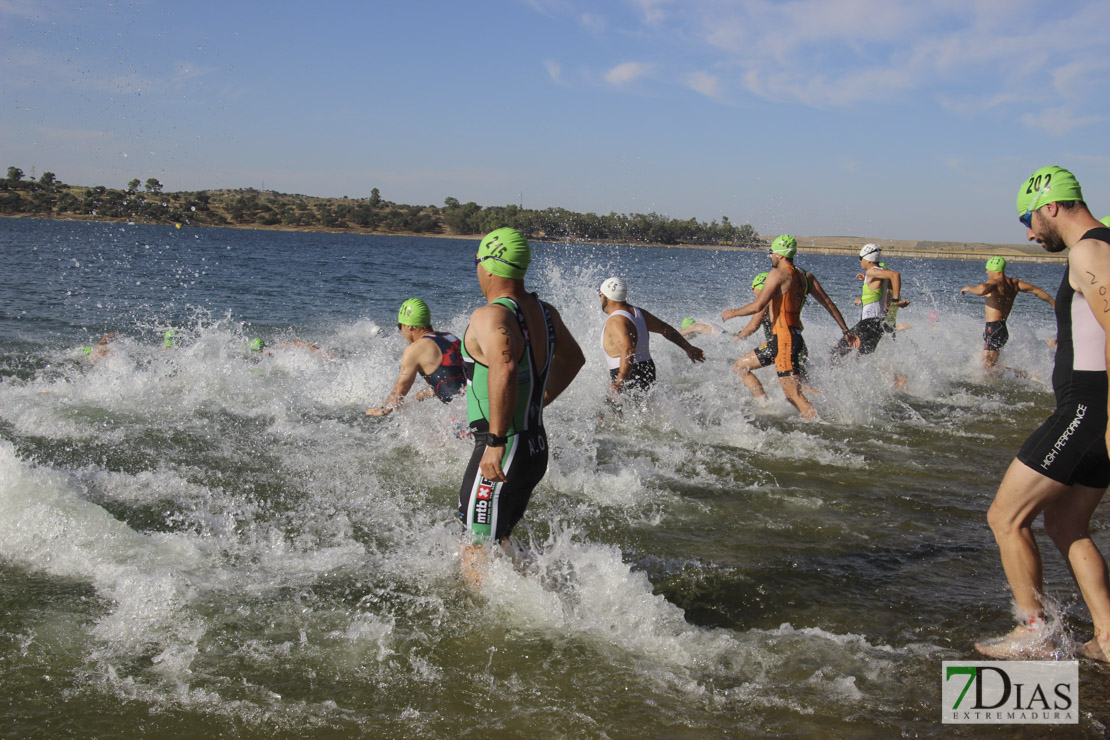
(492, 440)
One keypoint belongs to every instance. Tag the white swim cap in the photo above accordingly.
(871, 253)
(614, 289)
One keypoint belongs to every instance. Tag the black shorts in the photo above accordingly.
(491, 510)
(768, 352)
(641, 378)
(995, 335)
(1070, 447)
(869, 331)
(790, 361)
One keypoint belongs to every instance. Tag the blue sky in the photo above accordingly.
(882, 118)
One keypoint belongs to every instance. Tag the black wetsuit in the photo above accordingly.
(1070, 447)
(449, 379)
(491, 509)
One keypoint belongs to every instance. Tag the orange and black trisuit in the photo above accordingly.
(787, 307)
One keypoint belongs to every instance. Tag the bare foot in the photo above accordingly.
(1093, 651)
(1023, 643)
(473, 561)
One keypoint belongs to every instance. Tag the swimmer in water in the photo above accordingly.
(438, 359)
(1000, 290)
(626, 336)
(519, 357)
(794, 285)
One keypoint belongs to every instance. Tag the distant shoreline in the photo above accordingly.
(825, 245)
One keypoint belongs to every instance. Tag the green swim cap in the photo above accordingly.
(997, 264)
(1047, 185)
(256, 345)
(505, 253)
(758, 281)
(687, 322)
(86, 350)
(1105, 221)
(785, 246)
(169, 339)
(414, 312)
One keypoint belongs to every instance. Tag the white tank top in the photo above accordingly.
(640, 353)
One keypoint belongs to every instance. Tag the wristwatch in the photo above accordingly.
(492, 440)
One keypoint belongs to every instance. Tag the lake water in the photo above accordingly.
(203, 540)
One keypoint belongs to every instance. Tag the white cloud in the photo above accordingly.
(705, 83)
(1059, 120)
(554, 70)
(834, 53)
(622, 74)
(32, 10)
(593, 23)
(651, 10)
(970, 105)
(1077, 79)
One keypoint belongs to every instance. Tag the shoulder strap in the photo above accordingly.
(1102, 233)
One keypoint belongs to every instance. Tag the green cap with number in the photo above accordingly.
(1047, 185)
(505, 253)
(785, 246)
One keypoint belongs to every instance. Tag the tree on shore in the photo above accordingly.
(250, 207)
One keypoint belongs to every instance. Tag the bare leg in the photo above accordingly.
(473, 561)
(1067, 521)
(990, 358)
(1022, 496)
(792, 388)
(743, 368)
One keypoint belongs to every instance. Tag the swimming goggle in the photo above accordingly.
(480, 260)
(1027, 217)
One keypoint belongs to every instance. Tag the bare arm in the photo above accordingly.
(1089, 262)
(670, 333)
(822, 297)
(410, 366)
(980, 289)
(774, 280)
(494, 339)
(753, 324)
(1025, 287)
(565, 363)
(895, 279)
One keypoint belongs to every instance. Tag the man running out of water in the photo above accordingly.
(882, 288)
(625, 339)
(785, 348)
(518, 356)
(1062, 470)
(438, 359)
(1000, 291)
